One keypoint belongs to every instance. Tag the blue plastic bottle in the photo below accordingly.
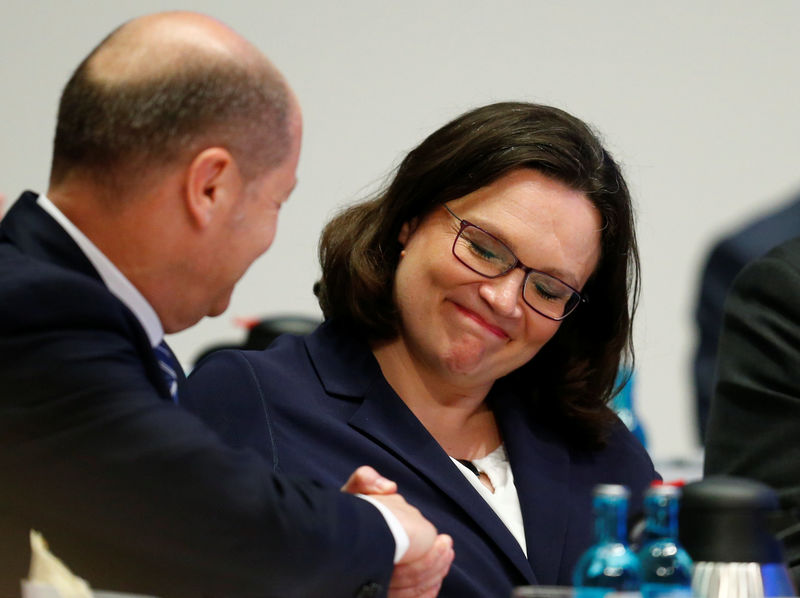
(666, 566)
(623, 405)
(609, 565)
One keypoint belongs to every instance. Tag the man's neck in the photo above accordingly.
(114, 279)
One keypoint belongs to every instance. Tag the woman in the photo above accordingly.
(476, 313)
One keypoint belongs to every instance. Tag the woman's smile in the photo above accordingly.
(494, 330)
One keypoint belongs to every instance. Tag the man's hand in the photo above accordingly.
(423, 577)
(422, 568)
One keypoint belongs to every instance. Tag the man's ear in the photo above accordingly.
(213, 183)
(407, 230)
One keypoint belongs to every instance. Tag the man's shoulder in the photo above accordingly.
(773, 273)
(19, 271)
(758, 237)
(31, 287)
(788, 252)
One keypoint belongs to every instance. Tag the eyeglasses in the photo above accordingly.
(485, 254)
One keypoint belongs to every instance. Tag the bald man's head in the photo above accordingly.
(161, 88)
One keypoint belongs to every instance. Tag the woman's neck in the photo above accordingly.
(456, 415)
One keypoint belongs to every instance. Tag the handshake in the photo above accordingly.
(421, 569)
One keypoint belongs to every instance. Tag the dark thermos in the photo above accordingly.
(723, 526)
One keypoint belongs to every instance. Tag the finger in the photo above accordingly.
(427, 571)
(426, 588)
(416, 592)
(421, 532)
(365, 480)
(433, 581)
(359, 479)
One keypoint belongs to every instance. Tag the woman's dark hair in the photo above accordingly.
(572, 378)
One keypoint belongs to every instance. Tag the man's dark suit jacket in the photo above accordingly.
(319, 405)
(725, 260)
(754, 424)
(129, 489)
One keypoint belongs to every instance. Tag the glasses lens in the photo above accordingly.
(549, 296)
(482, 252)
(487, 255)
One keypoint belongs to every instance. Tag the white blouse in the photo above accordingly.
(504, 500)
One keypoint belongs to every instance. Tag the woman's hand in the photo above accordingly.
(365, 480)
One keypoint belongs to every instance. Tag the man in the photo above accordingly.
(176, 144)
(725, 260)
(754, 422)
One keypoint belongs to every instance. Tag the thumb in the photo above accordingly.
(365, 480)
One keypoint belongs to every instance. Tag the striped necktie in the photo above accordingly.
(169, 368)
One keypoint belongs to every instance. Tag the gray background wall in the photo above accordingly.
(698, 100)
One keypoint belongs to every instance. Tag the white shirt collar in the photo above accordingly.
(115, 280)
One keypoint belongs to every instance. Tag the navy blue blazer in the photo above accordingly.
(319, 406)
(130, 490)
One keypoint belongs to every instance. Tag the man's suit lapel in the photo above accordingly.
(36, 234)
(541, 466)
(345, 368)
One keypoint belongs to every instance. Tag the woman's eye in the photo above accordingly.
(548, 292)
(482, 251)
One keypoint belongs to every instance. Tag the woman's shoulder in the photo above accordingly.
(236, 370)
(624, 457)
(291, 371)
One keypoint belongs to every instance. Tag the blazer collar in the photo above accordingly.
(342, 359)
(540, 463)
(35, 232)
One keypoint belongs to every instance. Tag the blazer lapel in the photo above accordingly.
(347, 368)
(541, 466)
(35, 233)
(385, 418)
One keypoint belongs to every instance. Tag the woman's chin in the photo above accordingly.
(467, 358)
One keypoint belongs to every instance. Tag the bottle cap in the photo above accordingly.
(667, 490)
(611, 490)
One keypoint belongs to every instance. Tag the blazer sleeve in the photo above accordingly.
(133, 492)
(753, 426)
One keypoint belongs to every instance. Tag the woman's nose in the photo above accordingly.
(504, 294)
